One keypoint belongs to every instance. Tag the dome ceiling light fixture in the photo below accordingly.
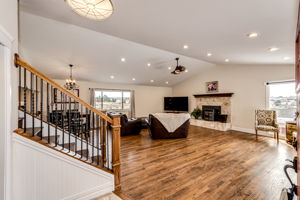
(92, 9)
(178, 69)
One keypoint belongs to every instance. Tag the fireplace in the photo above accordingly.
(211, 113)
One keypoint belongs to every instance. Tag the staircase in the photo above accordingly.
(57, 118)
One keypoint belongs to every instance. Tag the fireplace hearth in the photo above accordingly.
(211, 113)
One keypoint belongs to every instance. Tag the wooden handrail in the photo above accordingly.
(19, 62)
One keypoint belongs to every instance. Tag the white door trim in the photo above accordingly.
(6, 40)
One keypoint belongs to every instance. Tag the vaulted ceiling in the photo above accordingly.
(156, 31)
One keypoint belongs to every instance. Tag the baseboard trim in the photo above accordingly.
(245, 130)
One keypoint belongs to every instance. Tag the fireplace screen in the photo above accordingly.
(211, 113)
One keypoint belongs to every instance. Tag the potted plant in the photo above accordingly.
(197, 112)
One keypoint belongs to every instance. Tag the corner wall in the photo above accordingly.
(247, 82)
(8, 93)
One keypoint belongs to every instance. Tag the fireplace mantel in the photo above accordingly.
(209, 95)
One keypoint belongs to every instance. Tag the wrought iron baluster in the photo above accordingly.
(76, 121)
(42, 99)
(55, 119)
(20, 85)
(32, 102)
(107, 147)
(63, 120)
(93, 135)
(25, 99)
(87, 131)
(36, 97)
(82, 131)
(102, 140)
(69, 123)
(48, 112)
(98, 139)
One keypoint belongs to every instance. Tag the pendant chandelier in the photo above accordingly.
(70, 82)
(92, 9)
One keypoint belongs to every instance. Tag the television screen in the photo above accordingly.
(176, 104)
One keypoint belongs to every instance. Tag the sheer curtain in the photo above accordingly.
(132, 105)
(92, 96)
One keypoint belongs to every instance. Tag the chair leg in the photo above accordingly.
(277, 136)
(256, 134)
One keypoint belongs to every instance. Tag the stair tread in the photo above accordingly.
(95, 159)
(70, 146)
(35, 129)
(52, 138)
(85, 152)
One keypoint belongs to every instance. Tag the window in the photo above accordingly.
(282, 98)
(113, 100)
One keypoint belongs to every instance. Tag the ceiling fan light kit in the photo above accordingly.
(92, 9)
(179, 68)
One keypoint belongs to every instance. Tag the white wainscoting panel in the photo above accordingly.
(40, 173)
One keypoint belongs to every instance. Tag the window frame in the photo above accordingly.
(267, 86)
(113, 90)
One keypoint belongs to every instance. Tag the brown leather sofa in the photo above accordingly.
(129, 127)
(158, 131)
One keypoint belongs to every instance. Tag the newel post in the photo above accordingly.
(116, 145)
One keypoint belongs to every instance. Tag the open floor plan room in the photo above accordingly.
(149, 100)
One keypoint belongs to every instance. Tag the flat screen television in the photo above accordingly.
(176, 104)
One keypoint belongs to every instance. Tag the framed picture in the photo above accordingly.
(57, 97)
(212, 86)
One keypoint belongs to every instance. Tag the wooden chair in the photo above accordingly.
(266, 120)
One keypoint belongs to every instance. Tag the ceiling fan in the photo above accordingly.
(179, 68)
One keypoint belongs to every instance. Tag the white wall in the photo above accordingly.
(9, 33)
(41, 173)
(9, 18)
(147, 99)
(247, 82)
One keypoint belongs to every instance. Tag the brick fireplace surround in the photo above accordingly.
(214, 99)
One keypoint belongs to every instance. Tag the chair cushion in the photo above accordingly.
(266, 128)
(265, 117)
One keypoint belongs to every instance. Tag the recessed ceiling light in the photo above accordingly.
(123, 59)
(226, 60)
(209, 54)
(167, 82)
(112, 77)
(185, 46)
(252, 35)
(133, 79)
(286, 58)
(186, 70)
(151, 81)
(148, 64)
(272, 49)
(169, 68)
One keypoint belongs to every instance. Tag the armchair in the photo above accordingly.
(266, 120)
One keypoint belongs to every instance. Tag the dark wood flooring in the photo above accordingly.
(208, 165)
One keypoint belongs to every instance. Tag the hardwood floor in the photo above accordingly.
(208, 165)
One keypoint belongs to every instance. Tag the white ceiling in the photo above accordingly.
(217, 26)
(50, 46)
